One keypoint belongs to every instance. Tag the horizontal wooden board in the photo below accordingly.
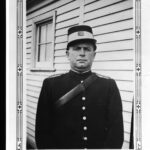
(118, 45)
(32, 127)
(28, 61)
(60, 46)
(28, 50)
(60, 53)
(115, 55)
(67, 23)
(32, 99)
(68, 15)
(125, 86)
(126, 96)
(29, 28)
(127, 106)
(28, 45)
(39, 78)
(113, 65)
(33, 88)
(31, 107)
(118, 75)
(127, 127)
(29, 36)
(117, 17)
(31, 132)
(31, 104)
(32, 121)
(99, 4)
(68, 7)
(125, 145)
(63, 31)
(34, 82)
(127, 117)
(60, 39)
(126, 24)
(126, 136)
(108, 10)
(33, 93)
(89, 1)
(28, 56)
(33, 116)
(122, 35)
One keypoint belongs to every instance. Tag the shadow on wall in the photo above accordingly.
(30, 144)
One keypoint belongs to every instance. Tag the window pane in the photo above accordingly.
(49, 32)
(41, 53)
(48, 51)
(43, 34)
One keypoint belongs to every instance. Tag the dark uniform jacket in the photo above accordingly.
(93, 119)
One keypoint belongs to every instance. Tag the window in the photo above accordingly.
(43, 46)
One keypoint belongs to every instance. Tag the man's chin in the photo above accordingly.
(82, 68)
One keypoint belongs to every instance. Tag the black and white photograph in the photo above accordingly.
(66, 43)
(78, 74)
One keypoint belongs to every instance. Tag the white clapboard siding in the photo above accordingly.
(117, 45)
(126, 24)
(113, 18)
(73, 21)
(60, 46)
(120, 35)
(126, 96)
(113, 65)
(68, 15)
(115, 55)
(107, 10)
(112, 23)
(117, 75)
(32, 99)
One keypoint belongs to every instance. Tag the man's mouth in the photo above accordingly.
(82, 60)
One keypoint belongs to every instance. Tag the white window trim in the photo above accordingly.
(42, 66)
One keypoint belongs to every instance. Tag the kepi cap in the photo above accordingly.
(80, 33)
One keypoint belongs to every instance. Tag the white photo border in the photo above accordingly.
(138, 72)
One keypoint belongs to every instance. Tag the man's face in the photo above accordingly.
(81, 56)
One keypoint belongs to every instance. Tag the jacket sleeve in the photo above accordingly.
(42, 128)
(115, 131)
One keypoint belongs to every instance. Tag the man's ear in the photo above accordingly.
(94, 54)
(67, 53)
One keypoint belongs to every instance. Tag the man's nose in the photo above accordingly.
(82, 52)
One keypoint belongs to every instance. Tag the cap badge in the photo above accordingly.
(81, 33)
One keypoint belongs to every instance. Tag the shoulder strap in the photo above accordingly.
(76, 90)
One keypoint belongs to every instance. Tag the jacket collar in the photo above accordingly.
(78, 75)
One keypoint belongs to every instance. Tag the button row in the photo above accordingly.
(84, 118)
(85, 138)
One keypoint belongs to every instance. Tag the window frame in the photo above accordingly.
(42, 66)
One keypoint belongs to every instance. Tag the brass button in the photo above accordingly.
(85, 138)
(83, 108)
(83, 98)
(84, 128)
(84, 117)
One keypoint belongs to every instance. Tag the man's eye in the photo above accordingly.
(87, 49)
(76, 48)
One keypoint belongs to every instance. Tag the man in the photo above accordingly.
(79, 109)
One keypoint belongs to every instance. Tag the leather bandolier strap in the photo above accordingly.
(76, 90)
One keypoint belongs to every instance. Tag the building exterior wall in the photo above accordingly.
(112, 23)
